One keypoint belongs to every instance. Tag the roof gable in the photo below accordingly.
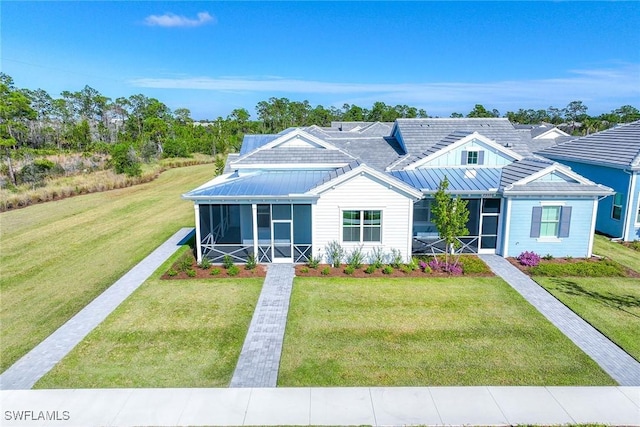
(460, 140)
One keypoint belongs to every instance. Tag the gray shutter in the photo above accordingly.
(463, 158)
(565, 221)
(536, 220)
(481, 157)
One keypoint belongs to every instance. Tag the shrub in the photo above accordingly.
(602, 268)
(313, 262)
(435, 264)
(251, 262)
(547, 257)
(370, 269)
(349, 269)
(377, 257)
(233, 270)
(387, 269)
(205, 264)
(335, 253)
(191, 272)
(171, 272)
(356, 258)
(215, 271)
(529, 259)
(395, 258)
(423, 265)
(473, 265)
(635, 245)
(406, 268)
(227, 261)
(413, 264)
(325, 271)
(304, 270)
(185, 262)
(453, 269)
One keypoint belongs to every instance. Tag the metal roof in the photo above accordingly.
(294, 156)
(251, 142)
(261, 184)
(618, 147)
(460, 179)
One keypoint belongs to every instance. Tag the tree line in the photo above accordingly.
(139, 128)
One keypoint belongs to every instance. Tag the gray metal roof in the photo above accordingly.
(295, 155)
(262, 184)
(337, 172)
(461, 180)
(521, 169)
(251, 142)
(617, 147)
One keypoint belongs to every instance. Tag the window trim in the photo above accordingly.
(361, 226)
(564, 222)
(619, 206)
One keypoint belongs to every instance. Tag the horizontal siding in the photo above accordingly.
(613, 178)
(491, 156)
(362, 192)
(576, 245)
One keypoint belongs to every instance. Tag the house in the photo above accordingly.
(611, 157)
(286, 196)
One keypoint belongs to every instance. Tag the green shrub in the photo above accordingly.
(233, 270)
(473, 265)
(251, 262)
(335, 253)
(227, 261)
(304, 270)
(395, 258)
(426, 269)
(406, 268)
(547, 257)
(313, 262)
(215, 271)
(349, 270)
(377, 257)
(635, 245)
(602, 268)
(387, 269)
(185, 262)
(171, 272)
(191, 272)
(370, 269)
(325, 271)
(205, 264)
(355, 258)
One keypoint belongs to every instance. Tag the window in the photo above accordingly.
(472, 157)
(361, 226)
(550, 221)
(618, 200)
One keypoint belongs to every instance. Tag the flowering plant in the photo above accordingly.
(529, 259)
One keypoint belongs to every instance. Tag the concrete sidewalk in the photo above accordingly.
(34, 365)
(323, 406)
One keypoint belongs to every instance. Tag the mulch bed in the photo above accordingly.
(525, 269)
(201, 273)
(305, 271)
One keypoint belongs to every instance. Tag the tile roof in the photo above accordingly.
(295, 155)
(617, 147)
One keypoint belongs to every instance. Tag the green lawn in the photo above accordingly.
(419, 332)
(56, 257)
(617, 252)
(610, 304)
(169, 333)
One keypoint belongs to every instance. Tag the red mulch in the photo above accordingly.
(259, 271)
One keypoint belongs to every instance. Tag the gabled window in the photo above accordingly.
(472, 157)
(550, 221)
(616, 211)
(361, 226)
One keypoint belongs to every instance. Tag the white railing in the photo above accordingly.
(238, 252)
(466, 245)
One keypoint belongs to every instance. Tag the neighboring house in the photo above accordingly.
(285, 197)
(611, 157)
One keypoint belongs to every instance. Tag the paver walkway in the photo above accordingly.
(34, 365)
(376, 406)
(611, 358)
(260, 356)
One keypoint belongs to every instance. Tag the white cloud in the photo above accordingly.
(595, 85)
(173, 20)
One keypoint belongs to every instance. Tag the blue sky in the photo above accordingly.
(212, 57)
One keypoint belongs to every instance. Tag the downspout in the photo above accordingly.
(627, 215)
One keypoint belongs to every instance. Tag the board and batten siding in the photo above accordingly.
(363, 193)
(576, 245)
(491, 158)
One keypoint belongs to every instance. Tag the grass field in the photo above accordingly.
(617, 252)
(56, 257)
(418, 332)
(169, 333)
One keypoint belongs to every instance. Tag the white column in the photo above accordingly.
(254, 217)
(594, 215)
(196, 208)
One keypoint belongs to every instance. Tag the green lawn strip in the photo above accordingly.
(169, 333)
(56, 257)
(419, 332)
(610, 304)
(626, 256)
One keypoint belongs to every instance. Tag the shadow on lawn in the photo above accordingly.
(619, 302)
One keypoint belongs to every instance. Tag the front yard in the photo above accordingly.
(185, 333)
(418, 332)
